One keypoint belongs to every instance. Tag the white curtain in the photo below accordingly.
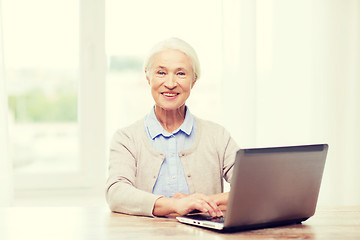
(340, 73)
(5, 166)
(292, 76)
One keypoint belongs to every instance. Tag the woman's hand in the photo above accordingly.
(179, 195)
(221, 200)
(183, 204)
(188, 203)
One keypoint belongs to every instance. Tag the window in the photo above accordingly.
(41, 59)
(48, 52)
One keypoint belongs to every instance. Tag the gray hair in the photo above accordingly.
(174, 44)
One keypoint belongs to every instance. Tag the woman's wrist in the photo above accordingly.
(164, 206)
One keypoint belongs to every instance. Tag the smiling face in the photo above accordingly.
(171, 79)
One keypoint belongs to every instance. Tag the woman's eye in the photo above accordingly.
(181, 73)
(161, 73)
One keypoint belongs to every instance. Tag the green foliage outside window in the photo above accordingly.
(36, 106)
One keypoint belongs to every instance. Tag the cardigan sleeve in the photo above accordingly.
(221, 140)
(228, 148)
(121, 193)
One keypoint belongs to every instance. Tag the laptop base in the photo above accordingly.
(265, 225)
(220, 228)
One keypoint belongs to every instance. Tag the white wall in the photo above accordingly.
(296, 81)
(340, 50)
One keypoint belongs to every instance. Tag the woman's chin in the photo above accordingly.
(170, 107)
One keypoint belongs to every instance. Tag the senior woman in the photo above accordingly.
(170, 161)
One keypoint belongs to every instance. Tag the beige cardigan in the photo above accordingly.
(134, 166)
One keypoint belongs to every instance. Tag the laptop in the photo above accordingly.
(270, 187)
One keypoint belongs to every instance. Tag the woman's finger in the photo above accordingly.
(208, 207)
(214, 207)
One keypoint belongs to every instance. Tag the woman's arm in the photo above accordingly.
(121, 193)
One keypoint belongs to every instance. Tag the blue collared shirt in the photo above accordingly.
(171, 178)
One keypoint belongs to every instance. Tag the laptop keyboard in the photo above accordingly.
(207, 217)
(217, 219)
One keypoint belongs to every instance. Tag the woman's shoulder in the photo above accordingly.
(208, 127)
(217, 135)
(133, 130)
(135, 126)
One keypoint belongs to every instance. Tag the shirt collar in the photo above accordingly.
(155, 129)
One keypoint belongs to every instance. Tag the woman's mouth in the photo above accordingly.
(168, 94)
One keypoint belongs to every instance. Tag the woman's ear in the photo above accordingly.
(193, 83)
(147, 77)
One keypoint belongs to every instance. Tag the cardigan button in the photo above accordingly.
(188, 175)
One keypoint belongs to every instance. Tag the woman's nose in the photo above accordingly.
(170, 82)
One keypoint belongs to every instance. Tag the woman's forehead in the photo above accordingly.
(171, 58)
